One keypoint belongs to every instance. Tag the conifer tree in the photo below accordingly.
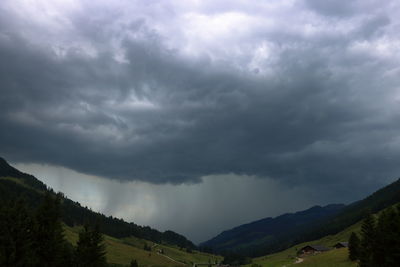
(380, 242)
(396, 236)
(90, 251)
(368, 235)
(134, 263)
(49, 239)
(354, 247)
(16, 230)
(386, 251)
(382, 237)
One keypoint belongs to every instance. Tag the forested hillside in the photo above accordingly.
(373, 241)
(309, 230)
(353, 213)
(15, 184)
(269, 230)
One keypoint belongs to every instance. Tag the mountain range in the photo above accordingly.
(269, 229)
(271, 235)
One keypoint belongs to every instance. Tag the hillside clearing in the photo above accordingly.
(122, 251)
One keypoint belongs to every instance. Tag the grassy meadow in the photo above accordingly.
(122, 251)
(334, 257)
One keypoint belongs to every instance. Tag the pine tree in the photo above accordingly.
(90, 251)
(396, 236)
(16, 230)
(49, 239)
(386, 252)
(134, 263)
(354, 247)
(382, 238)
(367, 244)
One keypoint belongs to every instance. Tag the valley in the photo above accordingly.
(125, 242)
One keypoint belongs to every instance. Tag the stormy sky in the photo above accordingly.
(196, 116)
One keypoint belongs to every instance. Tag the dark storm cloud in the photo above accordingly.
(119, 98)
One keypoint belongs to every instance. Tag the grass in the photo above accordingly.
(20, 182)
(119, 252)
(136, 242)
(188, 258)
(334, 257)
(122, 251)
(15, 180)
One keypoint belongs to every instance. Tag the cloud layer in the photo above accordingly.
(304, 92)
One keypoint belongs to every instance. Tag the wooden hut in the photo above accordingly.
(341, 245)
(312, 249)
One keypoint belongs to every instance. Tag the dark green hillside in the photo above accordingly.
(14, 184)
(268, 230)
(356, 211)
(256, 241)
(26, 179)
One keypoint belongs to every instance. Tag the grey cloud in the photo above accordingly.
(332, 7)
(374, 26)
(344, 9)
(325, 114)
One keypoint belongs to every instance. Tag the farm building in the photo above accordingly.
(312, 249)
(341, 245)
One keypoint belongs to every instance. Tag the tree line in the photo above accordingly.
(35, 238)
(74, 214)
(379, 241)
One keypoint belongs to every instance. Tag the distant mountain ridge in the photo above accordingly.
(240, 239)
(14, 184)
(269, 229)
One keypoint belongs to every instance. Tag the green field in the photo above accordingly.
(334, 257)
(122, 251)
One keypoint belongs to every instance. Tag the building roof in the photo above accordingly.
(343, 244)
(317, 247)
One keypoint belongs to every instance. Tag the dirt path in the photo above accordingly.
(171, 259)
(298, 260)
